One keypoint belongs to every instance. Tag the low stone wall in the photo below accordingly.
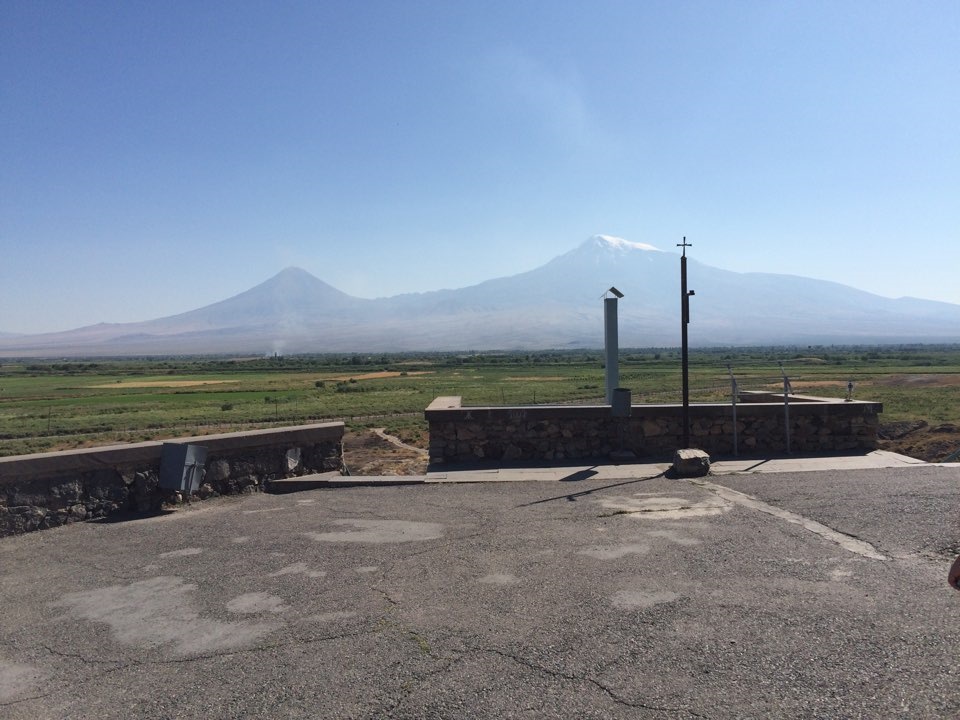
(49, 489)
(565, 432)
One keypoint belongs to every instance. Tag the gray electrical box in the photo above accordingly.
(620, 403)
(181, 467)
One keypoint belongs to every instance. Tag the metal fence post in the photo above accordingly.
(786, 405)
(734, 392)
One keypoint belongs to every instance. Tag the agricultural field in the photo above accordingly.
(59, 405)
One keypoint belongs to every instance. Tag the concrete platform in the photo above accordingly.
(638, 470)
(574, 473)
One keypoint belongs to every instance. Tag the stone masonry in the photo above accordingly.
(569, 432)
(49, 489)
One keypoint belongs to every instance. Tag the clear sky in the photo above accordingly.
(160, 156)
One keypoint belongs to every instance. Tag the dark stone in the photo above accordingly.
(145, 491)
(63, 494)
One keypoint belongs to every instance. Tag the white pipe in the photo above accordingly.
(612, 345)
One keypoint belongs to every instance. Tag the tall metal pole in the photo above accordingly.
(684, 321)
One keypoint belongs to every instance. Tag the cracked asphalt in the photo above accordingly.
(801, 595)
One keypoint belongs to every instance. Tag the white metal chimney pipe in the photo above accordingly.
(611, 344)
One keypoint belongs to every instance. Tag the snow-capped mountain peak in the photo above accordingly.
(618, 243)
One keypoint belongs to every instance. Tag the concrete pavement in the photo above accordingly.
(797, 595)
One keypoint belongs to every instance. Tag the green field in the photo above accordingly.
(58, 405)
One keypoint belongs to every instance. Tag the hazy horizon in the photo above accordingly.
(692, 265)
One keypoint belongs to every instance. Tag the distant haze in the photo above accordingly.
(557, 305)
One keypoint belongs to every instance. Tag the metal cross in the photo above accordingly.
(684, 245)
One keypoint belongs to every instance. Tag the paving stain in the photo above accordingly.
(17, 680)
(641, 599)
(674, 537)
(186, 552)
(330, 616)
(256, 602)
(160, 612)
(380, 531)
(499, 579)
(300, 568)
(664, 507)
(613, 552)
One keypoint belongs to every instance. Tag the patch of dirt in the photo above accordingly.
(916, 439)
(927, 380)
(551, 378)
(899, 430)
(381, 374)
(366, 453)
(161, 383)
(820, 383)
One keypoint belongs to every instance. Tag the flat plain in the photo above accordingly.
(52, 405)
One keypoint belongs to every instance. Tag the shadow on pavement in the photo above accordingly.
(572, 497)
(133, 516)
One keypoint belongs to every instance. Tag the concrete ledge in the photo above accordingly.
(110, 456)
(50, 489)
(802, 404)
(445, 402)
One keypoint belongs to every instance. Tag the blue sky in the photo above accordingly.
(156, 157)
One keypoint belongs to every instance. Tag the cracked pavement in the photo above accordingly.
(817, 594)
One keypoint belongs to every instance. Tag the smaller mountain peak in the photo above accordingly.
(611, 242)
(294, 277)
(292, 271)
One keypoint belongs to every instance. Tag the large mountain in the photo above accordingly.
(554, 306)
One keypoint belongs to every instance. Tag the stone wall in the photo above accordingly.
(50, 489)
(566, 432)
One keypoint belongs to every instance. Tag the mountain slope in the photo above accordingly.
(555, 305)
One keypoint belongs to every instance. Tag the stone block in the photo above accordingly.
(466, 432)
(690, 462)
(21, 519)
(218, 470)
(512, 452)
(65, 493)
(651, 428)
